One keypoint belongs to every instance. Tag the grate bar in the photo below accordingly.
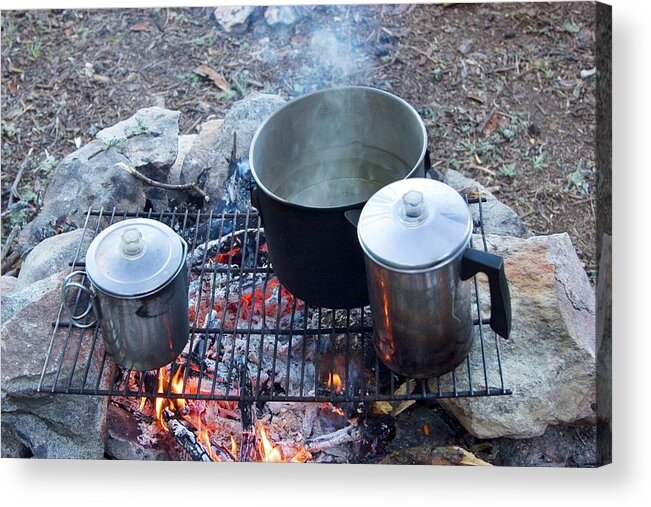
(243, 320)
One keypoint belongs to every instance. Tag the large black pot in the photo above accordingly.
(313, 160)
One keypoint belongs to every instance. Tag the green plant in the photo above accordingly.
(195, 80)
(206, 40)
(47, 164)
(517, 120)
(538, 161)
(507, 170)
(114, 142)
(82, 33)
(508, 133)
(570, 27)
(8, 34)
(34, 47)
(485, 148)
(143, 128)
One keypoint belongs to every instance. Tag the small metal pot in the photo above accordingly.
(415, 235)
(316, 158)
(138, 292)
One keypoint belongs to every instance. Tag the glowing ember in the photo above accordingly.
(302, 456)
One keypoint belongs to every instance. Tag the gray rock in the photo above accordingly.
(12, 447)
(498, 218)
(88, 177)
(234, 19)
(211, 151)
(150, 144)
(13, 302)
(52, 255)
(549, 359)
(122, 442)
(185, 145)
(201, 156)
(50, 426)
(285, 15)
(7, 284)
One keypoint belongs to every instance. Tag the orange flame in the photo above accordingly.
(176, 386)
(234, 448)
(301, 456)
(159, 404)
(334, 381)
(268, 452)
(203, 438)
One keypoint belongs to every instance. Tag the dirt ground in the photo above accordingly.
(506, 90)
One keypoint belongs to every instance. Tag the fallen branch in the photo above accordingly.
(168, 186)
(14, 188)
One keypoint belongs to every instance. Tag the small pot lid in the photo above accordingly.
(414, 224)
(134, 257)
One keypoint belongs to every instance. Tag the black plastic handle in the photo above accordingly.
(476, 261)
(255, 200)
(352, 215)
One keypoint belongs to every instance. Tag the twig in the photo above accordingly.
(14, 187)
(540, 108)
(167, 186)
(254, 82)
(10, 239)
(420, 51)
(483, 169)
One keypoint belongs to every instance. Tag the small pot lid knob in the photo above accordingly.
(414, 210)
(132, 244)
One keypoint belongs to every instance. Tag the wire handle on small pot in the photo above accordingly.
(67, 284)
(476, 261)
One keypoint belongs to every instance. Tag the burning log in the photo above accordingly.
(185, 437)
(247, 445)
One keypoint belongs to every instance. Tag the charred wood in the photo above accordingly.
(185, 437)
(351, 433)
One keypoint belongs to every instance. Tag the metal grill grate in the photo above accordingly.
(250, 340)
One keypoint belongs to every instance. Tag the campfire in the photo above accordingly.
(227, 359)
(264, 376)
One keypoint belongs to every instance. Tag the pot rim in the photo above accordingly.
(182, 265)
(452, 258)
(343, 207)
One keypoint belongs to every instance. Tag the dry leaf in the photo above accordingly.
(490, 125)
(455, 456)
(68, 31)
(214, 76)
(381, 408)
(143, 26)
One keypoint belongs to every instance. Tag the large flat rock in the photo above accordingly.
(549, 359)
